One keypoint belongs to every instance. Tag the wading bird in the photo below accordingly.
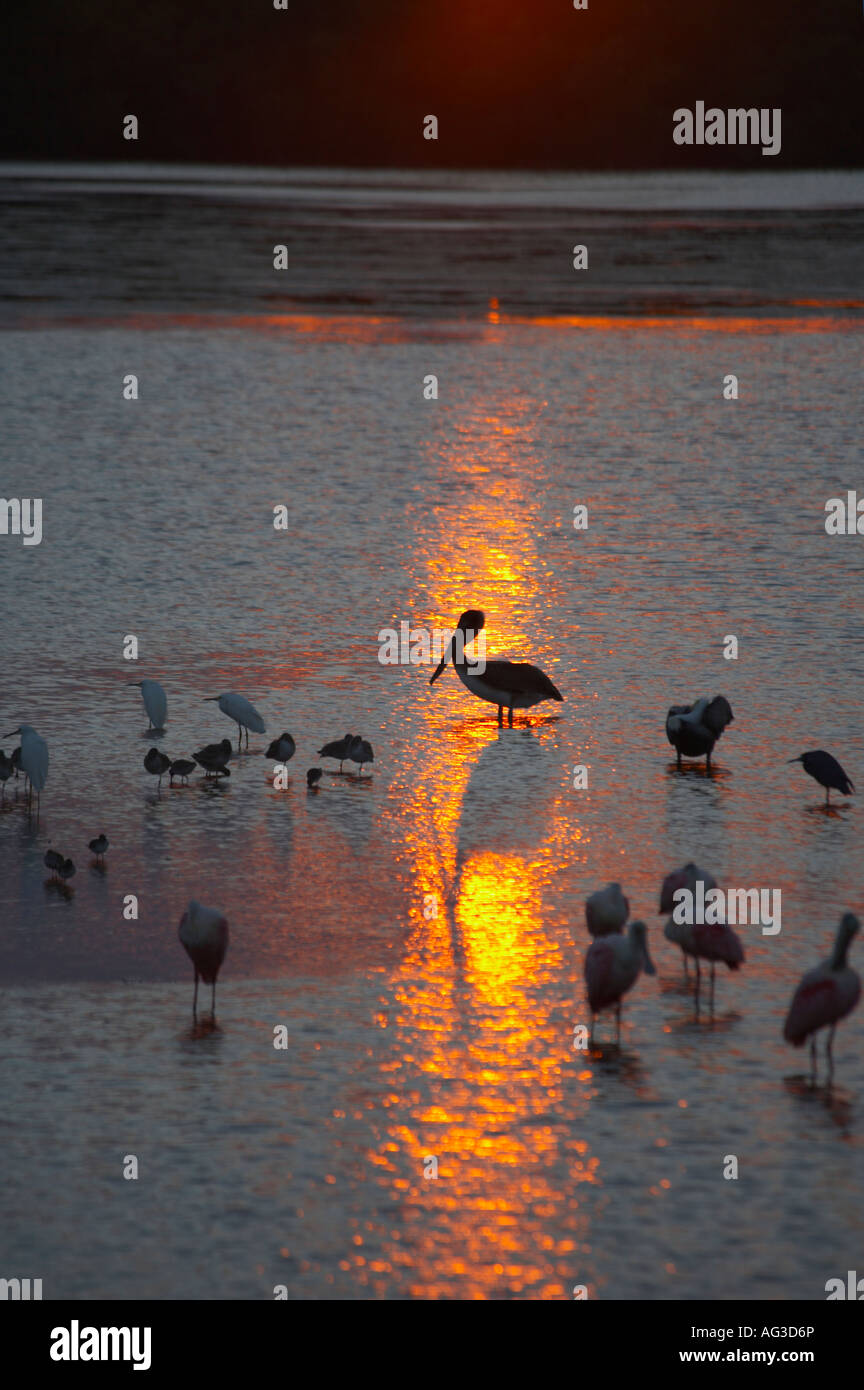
(825, 995)
(7, 767)
(508, 684)
(156, 763)
(826, 770)
(203, 933)
(606, 911)
(339, 748)
(313, 777)
(688, 877)
(213, 757)
(99, 846)
(282, 749)
(360, 752)
(181, 767)
(694, 729)
(155, 703)
(33, 758)
(66, 870)
(244, 714)
(612, 966)
(715, 942)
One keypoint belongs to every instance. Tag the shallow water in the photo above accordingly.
(414, 1036)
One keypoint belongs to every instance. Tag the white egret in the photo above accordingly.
(244, 714)
(155, 703)
(203, 933)
(33, 758)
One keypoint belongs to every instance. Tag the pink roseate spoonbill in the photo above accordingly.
(155, 703)
(825, 995)
(156, 763)
(694, 729)
(713, 942)
(360, 752)
(213, 757)
(680, 932)
(339, 748)
(99, 846)
(612, 966)
(606, 911)
(33, 759)
(244, 714)
(282, 749)
(510, 685)
(203, 933)
(826, 770)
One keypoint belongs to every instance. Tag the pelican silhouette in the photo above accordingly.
(510, 685)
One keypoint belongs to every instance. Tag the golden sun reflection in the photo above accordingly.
(478, 1054)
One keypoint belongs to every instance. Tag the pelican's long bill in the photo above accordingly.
(443, 662)
(469, 627)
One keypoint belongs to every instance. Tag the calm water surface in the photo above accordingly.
(409, 1036)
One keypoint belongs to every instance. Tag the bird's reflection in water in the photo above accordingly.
(837, 1101)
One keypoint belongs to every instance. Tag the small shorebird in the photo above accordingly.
(360, 752)
(339, 748)
(32, 758)
(313, 777)
(694, 729)
(155, 703)
(825, 995)
(53, 861)
(181, 767)
(99, 846)
(66, 870)
(606, 911)
(510, 685)
(213, 757)
(612, 966)
(826, 770)
(244, 714)
(282, 749)
(156, 763)
(203, 933)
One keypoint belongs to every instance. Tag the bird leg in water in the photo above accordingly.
(829, 1050)
(500, 719)
(510, 718)
(813, 1056)
(618, 1005)
(213, 1000)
